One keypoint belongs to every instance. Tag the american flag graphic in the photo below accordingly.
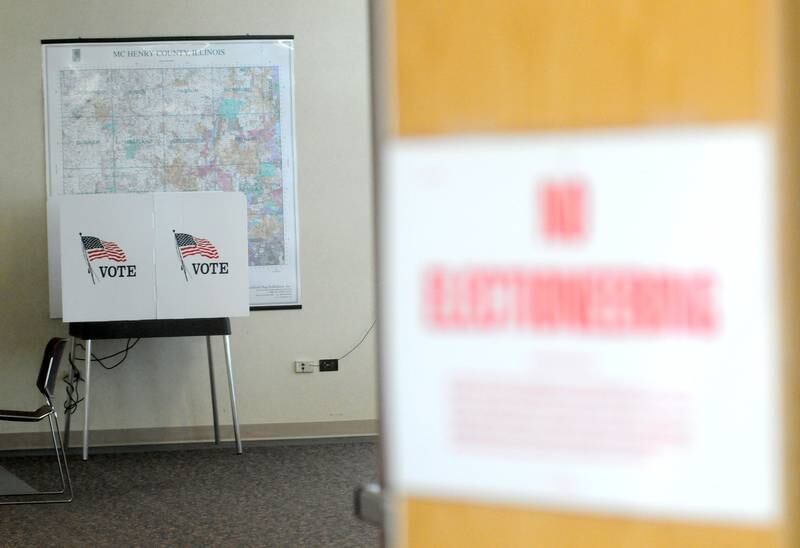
(190, 245)
(99, 249)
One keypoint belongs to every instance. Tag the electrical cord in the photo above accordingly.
(101, 361)
(72, 381)
(361, 341)
(74, 377)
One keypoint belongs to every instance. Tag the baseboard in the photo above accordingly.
(196, 434)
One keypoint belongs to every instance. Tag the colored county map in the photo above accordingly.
(179, 129)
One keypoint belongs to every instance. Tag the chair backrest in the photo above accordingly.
(48, 372)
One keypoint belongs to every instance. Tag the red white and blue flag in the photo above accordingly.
(191, 245)
(100, 249)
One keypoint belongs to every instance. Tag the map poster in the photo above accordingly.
(195, 114)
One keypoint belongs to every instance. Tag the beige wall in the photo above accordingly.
(164, 383)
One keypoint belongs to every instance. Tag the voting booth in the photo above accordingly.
(152, 256)
(148, 265)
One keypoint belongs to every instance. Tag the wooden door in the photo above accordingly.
(455, 68)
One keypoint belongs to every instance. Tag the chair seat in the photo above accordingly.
(25, 416)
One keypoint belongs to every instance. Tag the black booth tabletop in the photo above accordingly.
(195, 327)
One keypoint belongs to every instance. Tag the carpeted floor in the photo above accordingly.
(286, 496)
(9, 483)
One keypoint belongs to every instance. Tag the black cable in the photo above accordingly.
(124, 353)
(72, 381)
(101, 361)
(74, 378)
(361, 341)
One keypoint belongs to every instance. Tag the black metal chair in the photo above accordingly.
(46, 382)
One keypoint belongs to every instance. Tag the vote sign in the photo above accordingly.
(142, 256)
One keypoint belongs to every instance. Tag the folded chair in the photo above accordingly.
(45, 383)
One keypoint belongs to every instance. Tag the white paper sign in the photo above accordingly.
(584, 321)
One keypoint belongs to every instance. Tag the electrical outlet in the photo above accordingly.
(329, 365)
(304, 366)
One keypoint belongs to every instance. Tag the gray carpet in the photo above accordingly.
(9, 483)
(296, 495)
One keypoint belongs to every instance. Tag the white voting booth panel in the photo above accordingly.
(211, 280)
(121, 285)
(151, 256)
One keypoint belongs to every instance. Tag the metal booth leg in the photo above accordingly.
(87, 361)
(213, 390)
(234, 411)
